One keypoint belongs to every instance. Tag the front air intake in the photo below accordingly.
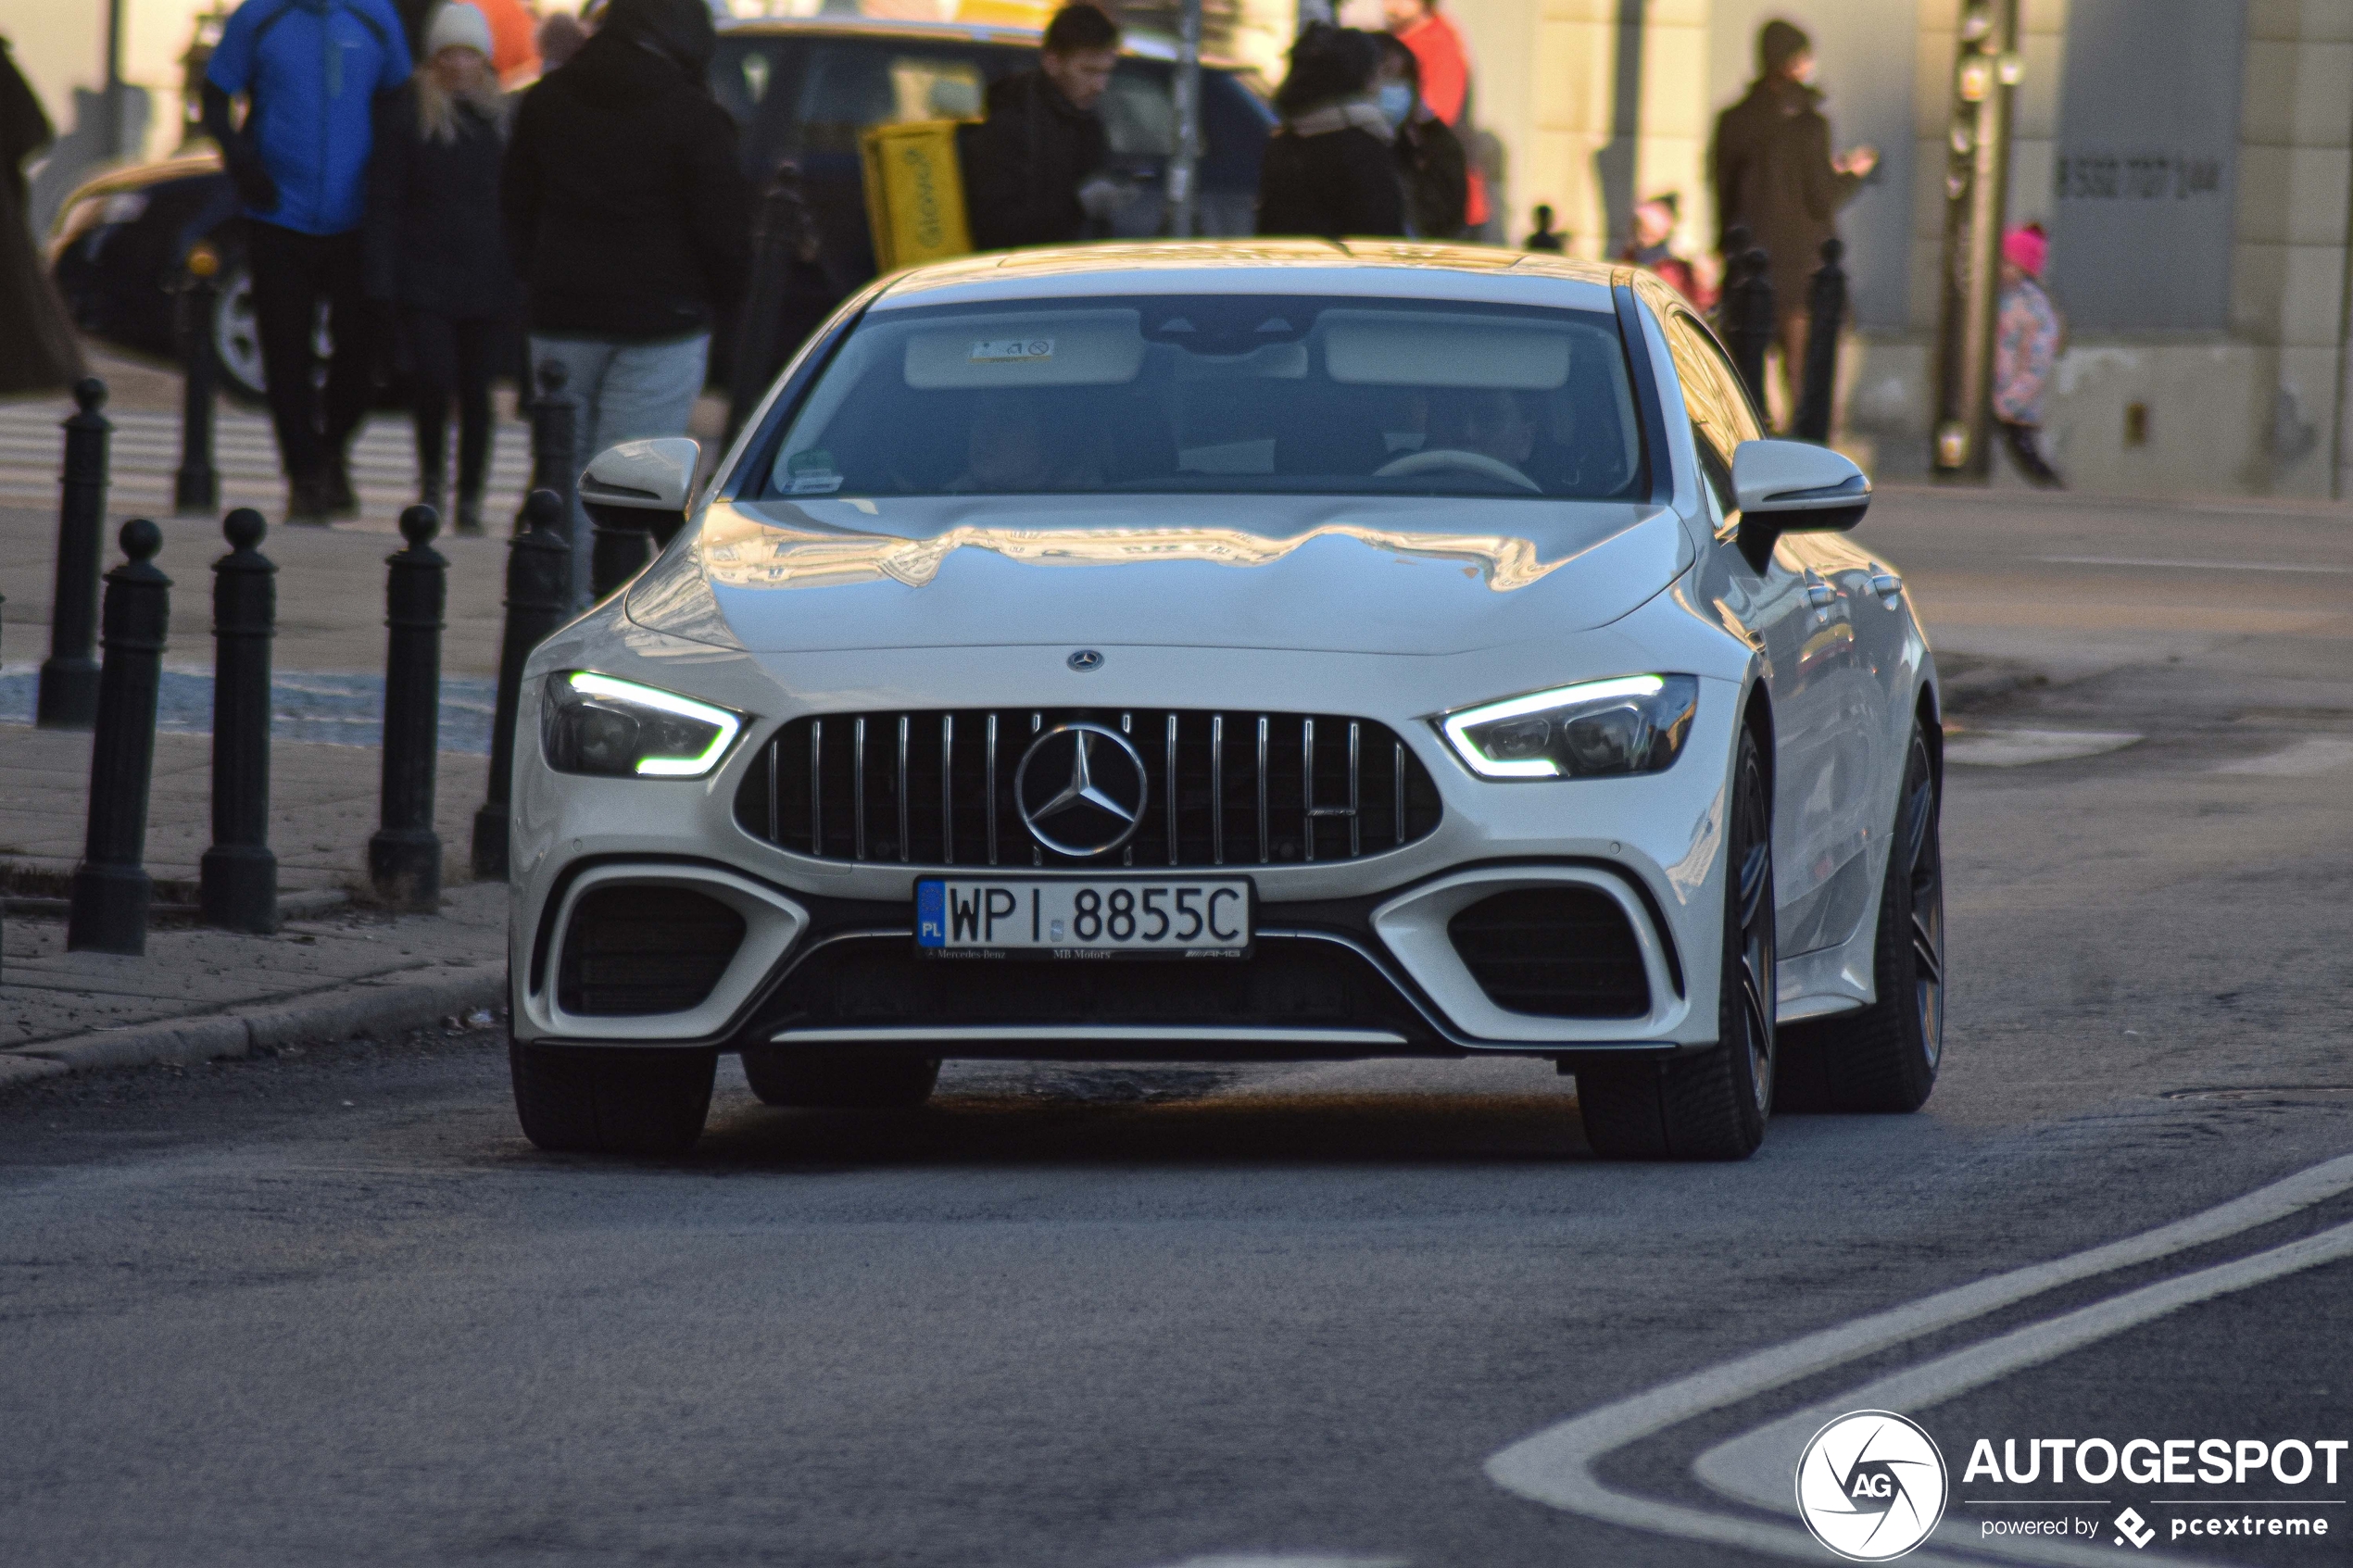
(1556, 952)
(634, 949)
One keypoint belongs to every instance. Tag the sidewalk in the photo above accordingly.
(336, 969)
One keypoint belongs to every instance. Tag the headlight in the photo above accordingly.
(1633, 724)
(619, 729)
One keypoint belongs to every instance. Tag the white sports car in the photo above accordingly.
(1249, 651)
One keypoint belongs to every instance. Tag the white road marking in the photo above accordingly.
(1755, 1467)
(2194, 565)
(1556, 1466)
(2307, 759)
(2019, 749)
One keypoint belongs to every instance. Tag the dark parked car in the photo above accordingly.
(802, 90)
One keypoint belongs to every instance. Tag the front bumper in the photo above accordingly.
(1376, 925)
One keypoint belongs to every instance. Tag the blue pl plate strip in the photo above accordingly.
(931, 914)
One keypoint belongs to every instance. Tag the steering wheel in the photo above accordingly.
(1454, 457)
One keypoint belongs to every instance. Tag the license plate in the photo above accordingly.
(1073, 918)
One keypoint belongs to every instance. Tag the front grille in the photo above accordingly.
(1556, 952)
(633, 949)
(937, 788)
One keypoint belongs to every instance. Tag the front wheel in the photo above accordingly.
(1884, 1058)
(612, 1099)
(1711, 1106)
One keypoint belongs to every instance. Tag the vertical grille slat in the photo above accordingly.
(1201, 805)
(1265, 837)
(857, 781)
(1217, 789)
(948, 789)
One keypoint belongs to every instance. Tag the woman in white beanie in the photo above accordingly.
(436, 256)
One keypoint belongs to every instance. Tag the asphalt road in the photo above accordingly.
(333, 1310)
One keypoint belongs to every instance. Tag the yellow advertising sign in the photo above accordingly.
(915, 194)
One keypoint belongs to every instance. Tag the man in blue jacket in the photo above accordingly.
(309, 71)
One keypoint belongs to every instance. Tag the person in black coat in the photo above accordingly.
(436, 260)
(1033, 170)
(38, 352)
(1331, 167)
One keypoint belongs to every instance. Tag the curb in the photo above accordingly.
(377, 1010)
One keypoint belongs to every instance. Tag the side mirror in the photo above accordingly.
(1795, 486)
(642, 484)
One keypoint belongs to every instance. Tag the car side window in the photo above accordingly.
(852, 88)
(1139, 115)
(1711, 395)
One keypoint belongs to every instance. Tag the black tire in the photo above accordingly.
(237, 338)
(1884, 1058)
(1711, 1105)
(612, 1099)
(861, 1080)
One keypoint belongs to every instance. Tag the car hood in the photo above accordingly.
(1352, 574)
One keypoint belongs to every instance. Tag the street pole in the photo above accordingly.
(1184, 196)
(115, 149)
(1977, 177)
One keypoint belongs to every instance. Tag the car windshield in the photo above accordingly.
(1234, 394)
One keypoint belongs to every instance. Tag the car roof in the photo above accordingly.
(1145, 46)
(1367, 267)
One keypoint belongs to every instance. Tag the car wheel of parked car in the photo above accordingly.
(1711, 1106)
(236, 337)
(1884, 1058)
(859, 1079)
(612, 1099)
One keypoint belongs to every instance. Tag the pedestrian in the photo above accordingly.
(2028, 332)
(41, 353)
(627, 218)
(1445, 78)
(1430, 157)
(309, 71)
(436, 260)
(1330, 169)
(1774, 175)
(1545, 236)
(1034, 167)
(1653, 249)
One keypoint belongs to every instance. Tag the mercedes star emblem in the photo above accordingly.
(1084, 659)
(1080, 788)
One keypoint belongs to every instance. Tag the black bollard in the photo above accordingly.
(404, 854)
(68, 697)
(622, 551)
(109, 909)
(539, 600)
(239, 886)
(1750, 313)
(555, 463)
(1826, 313)
(195, 489)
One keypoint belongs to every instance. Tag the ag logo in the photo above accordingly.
(1871, 1485)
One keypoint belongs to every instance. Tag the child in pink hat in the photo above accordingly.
(2026, 345)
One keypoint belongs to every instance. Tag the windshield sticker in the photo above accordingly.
(811, 473)
(1002, 350)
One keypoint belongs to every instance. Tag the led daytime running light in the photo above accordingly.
(666, 702)
(1457, 725)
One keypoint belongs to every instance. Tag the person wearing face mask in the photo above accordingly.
(1774, 175)
(1430, 157)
